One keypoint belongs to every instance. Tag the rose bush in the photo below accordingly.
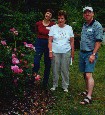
(16, 81)
(18, 93)
(15, 64)
(16, 58)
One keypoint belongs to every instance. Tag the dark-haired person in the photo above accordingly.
(41, 45)
(91, 38)
(61, 48)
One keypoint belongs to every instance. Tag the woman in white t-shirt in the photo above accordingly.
(61, 49)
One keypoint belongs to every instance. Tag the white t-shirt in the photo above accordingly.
(61, 38)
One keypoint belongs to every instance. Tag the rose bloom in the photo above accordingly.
(1, 66)
(3, 43)
(13, 55)
(15, 61)
(15, 49)
(37, 78)
(16, 69)
(29, 45)
(25, 43)
(32, 65)
(15, 33)
(12, 29)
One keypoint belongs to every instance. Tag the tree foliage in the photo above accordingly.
(18, 8)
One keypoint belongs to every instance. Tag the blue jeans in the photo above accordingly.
(41, 46)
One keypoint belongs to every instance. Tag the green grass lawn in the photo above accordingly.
(68, 103)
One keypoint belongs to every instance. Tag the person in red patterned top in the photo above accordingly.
(41, 45)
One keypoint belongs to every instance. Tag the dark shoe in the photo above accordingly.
(84, 94)
(86, 101)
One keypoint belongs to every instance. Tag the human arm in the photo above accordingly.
(72, 47)
(50, 46)
(96, 48)
(98, 36)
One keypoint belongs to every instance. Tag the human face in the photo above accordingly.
(88, 15)
(48, 15)
(61, 21)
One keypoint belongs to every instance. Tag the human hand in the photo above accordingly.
(50, 55)
(91, 58)
(48, 28)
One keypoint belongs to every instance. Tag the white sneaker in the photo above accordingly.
(53, 89)
(65, 90)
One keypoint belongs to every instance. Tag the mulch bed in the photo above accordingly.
(35, 101)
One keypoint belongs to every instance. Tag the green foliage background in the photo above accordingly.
(22, 14)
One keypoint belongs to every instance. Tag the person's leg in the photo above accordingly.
(90, 84)
(38, 55)
(89, 68)
(85, 66)
(65, 63)
(86, 89)
(47, 63)
(85, 92)
(56, 68)
(82, 69)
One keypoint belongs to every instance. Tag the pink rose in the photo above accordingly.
(29, 45)
(20, 70)
(15, 49)
(3, 43)
(32, 65)
(13, 55)
(1, 66)
(16, 69)
(37, 78)
(15, 61)
(15, 33)
(12, 29)
(25, 43)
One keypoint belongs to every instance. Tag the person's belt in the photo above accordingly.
(85, 51)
